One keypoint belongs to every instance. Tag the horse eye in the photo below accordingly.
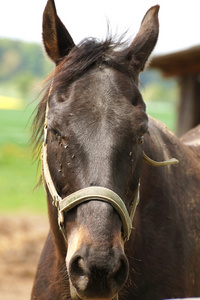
(58, 136)
(55, 132)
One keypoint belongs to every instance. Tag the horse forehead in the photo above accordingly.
(103, 84)
(96, 104)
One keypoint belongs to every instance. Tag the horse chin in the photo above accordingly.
(73, 292)
(75, 296)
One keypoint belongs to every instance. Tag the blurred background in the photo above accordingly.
(170, 88)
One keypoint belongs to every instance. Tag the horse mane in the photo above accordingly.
(88, 54)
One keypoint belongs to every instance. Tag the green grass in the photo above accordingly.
(18, 176)
(14, 127)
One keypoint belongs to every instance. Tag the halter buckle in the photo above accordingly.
(55, 201)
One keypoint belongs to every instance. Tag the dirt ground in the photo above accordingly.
(21, 242)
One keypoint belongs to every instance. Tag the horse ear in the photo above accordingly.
(146, 39)
(57, 40)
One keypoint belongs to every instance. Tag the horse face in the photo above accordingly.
(96, 124)
(95, 139)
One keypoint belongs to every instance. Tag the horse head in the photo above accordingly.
(94, 128)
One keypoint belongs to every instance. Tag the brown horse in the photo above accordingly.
(96, 133)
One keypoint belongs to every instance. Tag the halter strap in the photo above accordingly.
(154, 163)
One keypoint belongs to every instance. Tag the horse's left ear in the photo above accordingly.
(145, 40)
(57, 40)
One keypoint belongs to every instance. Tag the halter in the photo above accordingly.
(91, 193)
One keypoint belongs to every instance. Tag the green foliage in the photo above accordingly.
(156, 88)
(163, 111)
(155, 92)
(22, 65)
(160, 96)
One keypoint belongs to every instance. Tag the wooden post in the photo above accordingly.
(189, 103)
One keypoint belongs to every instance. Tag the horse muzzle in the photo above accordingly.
(100, 277)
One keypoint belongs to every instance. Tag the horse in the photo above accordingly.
(123, 192)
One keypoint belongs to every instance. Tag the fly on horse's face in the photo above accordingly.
(96, 121)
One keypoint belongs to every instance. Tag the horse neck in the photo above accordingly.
(162, 144)
(163, 183)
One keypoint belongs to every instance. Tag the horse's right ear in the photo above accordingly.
(57, 40)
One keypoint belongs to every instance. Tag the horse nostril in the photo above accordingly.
(77, 267)
(119, 276)
(78, 274)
